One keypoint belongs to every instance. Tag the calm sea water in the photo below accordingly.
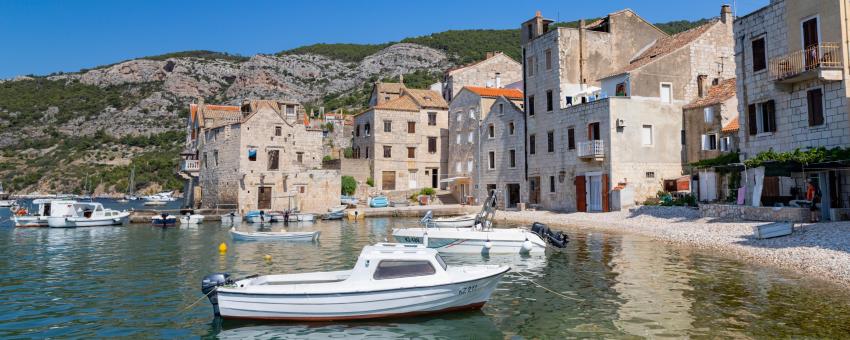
(138, 281)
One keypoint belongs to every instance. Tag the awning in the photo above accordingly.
(455, 179)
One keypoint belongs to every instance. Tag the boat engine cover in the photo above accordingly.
(210, 283)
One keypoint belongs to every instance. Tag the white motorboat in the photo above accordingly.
(301, 217)
(60, 211)
(275, 235)
(388, 280)
(161, 197)
(93, 214)
(232, 218)
(258, 216)
(34, 219)
(335, 213)
(191, 219)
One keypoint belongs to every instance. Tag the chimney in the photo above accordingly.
(498, 80)
(401, 78)
(726, 14)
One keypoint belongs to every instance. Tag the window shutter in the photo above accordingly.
(704, 142)
(751, 119)
(810, 106)
(770, 106)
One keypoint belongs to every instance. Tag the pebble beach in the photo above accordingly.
(819, 249)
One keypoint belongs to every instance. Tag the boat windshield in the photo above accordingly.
(441, 262)
(394, 269)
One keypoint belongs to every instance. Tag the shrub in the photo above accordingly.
(348, 152)
(327, 158)
(427, 191)
(370, 182)
(349, 185)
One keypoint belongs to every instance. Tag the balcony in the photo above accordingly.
(190, 165)
(591, 150)
(817, 62)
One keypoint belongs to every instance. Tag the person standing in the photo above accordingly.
(813, 196)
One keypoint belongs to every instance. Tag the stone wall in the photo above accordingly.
(505, 141)
(483, 74)
(748, 213)
(696, 126)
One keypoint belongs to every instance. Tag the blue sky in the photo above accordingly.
(40, 37)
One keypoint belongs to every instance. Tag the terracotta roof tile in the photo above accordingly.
(390, 87)
(427, 98)
(665, 46)
(732, 126)
(495, 92)
(716, 94)
(403, 103)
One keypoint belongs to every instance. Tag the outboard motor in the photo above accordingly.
(557, 239)
(164, 219)
(210, 283)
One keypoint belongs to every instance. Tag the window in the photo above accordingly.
(708, 112)
(549, 101)
(411, 152)
(215, 157)
(548, 59)
(529, 66)
(432, 144)
(367, 129)
(491, 160)
(761, 117)
(650, 174)
(357, 131)
(571, 139)
(459, 117)
(593, 131)
(278, 131)
(388, 126)
(501, 108)
(550, 141)
(511, 128)
(759, 57)
(206, 164)
(367, 152)
(471, 113)
(458, 167)
(666, 93)
(411, 127)
(469, 166)
(569, 100)
(432, 118)
(470, 137)
(227, 132)
(491, 131)
(512, 158)
(552, 184)
(531, 145)
(646, 135)
(709, 142)
(274, 156)
(815, 101)
(682, 135)
(457, 141)
(300, 157)
(388, 151)
(252, 155)
(620, 90)
(726, 144)
(530, 105)
(395, 269)
(441, 262)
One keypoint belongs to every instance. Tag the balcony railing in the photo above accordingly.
(591, 149)
(817, 57)
(190, 165)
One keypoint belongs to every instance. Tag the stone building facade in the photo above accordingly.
(604, 106)
(501, 153)
(467, 111)
(496, 70)
(263, 157)
(792, 91)
(404, 140)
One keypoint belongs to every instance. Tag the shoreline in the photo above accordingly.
(821, 250)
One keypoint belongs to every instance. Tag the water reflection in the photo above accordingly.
(136, 281)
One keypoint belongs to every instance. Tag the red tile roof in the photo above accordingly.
(732, 126)
(495, 92)
(716, 94)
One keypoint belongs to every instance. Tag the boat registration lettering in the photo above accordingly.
(467, 289)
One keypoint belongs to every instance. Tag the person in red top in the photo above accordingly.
(812, 195)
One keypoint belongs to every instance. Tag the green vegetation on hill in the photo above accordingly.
(26, 101)
(678, 26)
(344, 52)
(203, 54)
(466, 46)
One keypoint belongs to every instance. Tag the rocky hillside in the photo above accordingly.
(61, 131)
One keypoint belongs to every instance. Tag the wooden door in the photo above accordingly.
(581, 194)
(810, 42)
(534, 190)
(264, 198)
(605, 187)
(388, 180)
(513, 195)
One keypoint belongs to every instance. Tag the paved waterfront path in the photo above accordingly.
(821, 249)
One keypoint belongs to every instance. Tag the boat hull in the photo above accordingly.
(30, 221)
(98, 222)
(6, 203)
(59, 222)
(275, 236)
(258, 219)
(468, 241)
(354, 305)
(169, 221)
(231, 218)
(193, 219)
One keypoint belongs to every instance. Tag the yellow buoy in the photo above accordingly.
(222, 247)
(268, 258)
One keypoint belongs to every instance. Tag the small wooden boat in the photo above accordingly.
(274, 235)
(464, 221)
(388, 280)
(164, 220)
(335, 213)
(379, 202)
(772, 230)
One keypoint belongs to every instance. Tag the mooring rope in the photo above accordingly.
(547, 289)
(196, 301)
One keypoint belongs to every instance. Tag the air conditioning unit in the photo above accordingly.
(621, 123)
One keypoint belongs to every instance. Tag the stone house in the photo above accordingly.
(262, 157)
(496, 70)
(792, 94)
(604, 106)
(710, 131)
(467, 111)
(501, 153)
(404, 139)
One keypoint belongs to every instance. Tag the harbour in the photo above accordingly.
(137, 281)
